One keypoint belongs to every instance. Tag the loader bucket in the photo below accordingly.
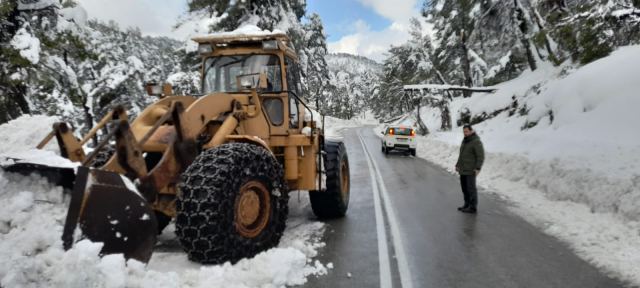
(109, 211)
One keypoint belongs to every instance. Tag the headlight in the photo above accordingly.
(153, 89)
(270, 45)
(205, 49)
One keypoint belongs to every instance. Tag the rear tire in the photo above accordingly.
(233, 204)
(334, 200)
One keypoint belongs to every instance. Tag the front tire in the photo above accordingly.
(333, 202)
(233, 204)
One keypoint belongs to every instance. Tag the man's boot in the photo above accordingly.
(470, 210)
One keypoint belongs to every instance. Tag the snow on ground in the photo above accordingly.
(576, 177)
(33, 215)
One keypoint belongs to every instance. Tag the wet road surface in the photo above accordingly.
(403, 230)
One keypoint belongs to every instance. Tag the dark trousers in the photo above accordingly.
(468, 183)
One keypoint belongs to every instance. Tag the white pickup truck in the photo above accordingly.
(399, 138)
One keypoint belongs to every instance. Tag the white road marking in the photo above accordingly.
(401, 258)
(383, 249)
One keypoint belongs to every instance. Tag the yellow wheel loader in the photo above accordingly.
(221, 164)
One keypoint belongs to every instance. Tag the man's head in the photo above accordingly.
(467, 130)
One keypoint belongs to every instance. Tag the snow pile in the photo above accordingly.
(24, 133)
(18, 144)
(32, 219)
(568, 156)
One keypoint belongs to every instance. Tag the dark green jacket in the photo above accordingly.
(471, 155)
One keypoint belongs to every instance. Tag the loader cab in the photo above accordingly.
(229, 65)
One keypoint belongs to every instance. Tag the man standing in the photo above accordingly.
(469, 165)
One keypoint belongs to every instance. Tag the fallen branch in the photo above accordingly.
(422, 87)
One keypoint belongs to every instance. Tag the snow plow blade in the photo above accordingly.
(108, 211)
(60, 176)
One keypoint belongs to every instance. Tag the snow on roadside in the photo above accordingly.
(335, 127)
(33, 215)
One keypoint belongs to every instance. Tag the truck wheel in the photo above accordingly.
(334, 200)
(413, 152)
(233, 204)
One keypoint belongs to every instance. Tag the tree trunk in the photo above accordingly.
(88, 121)
(444, 82)
(466, 64)
(542, 27)
(523, 26)
(445, 116)
(424, 130)
(18, 93)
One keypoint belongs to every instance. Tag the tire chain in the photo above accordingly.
(205, 206)
(329, 203)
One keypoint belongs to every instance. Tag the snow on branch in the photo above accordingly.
(441, 87)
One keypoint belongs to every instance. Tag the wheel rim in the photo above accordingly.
(344, 175)
(252, 209)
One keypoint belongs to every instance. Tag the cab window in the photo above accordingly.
(221, 73)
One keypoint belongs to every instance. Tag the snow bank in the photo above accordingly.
(31, 224)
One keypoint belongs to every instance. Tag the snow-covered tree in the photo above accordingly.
(58, 63)
(353, 82)
(410, 63)
(317, 72)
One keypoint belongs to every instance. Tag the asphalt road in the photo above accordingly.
(403, 230)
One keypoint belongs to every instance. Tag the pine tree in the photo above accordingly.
(12, 90)
(317, 70)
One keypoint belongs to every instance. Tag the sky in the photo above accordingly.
(361, 27)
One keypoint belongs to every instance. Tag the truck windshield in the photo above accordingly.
(220, 73)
